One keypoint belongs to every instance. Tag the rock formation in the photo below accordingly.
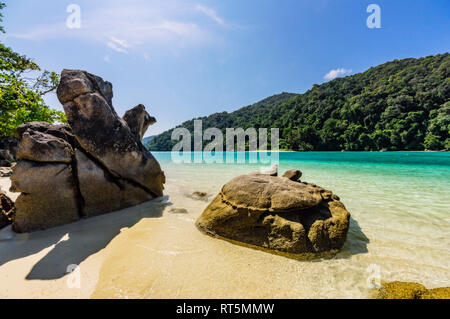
(95, 165)
(277, 214)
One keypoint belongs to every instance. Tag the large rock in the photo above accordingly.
(95, 165)
(7, 210)
(103, 134)
(277, 214)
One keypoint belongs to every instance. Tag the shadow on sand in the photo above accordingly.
(356, 242)
(75, 242)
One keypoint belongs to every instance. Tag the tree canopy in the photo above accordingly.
(22, 87)
(399, 105)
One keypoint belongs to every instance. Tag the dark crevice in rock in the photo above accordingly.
(139, 185)
(108, 175)
(79, 196)
(113, 177)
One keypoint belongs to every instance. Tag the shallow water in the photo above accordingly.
(400, 206)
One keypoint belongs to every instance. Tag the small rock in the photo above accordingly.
(272, 171)
(199, 196)
(293, 174)
(175, 210)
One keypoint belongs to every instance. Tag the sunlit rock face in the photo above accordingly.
(277, 214)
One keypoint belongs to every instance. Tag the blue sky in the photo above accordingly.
(184, 59)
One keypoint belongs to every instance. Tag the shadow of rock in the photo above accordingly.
(356, 242)
(75, 242)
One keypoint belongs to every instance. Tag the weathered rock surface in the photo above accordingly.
(410, 290)
(95, 165)
(100, 131)
(48, 195)
(101, 192)
(7, 210)
(277, 214)
(138, 120)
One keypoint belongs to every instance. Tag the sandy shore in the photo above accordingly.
(148, 251)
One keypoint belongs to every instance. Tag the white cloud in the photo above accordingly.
(107, 59)
(336, 73)
(137, 25)
(211, 13)
(118, 45)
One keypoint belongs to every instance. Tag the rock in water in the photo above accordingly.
(410, 290)
(94, 166)
(277, 214)
(7, 210)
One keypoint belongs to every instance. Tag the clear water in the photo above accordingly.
(400, 207)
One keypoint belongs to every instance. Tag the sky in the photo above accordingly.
(184, 59)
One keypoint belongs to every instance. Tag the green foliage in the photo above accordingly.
(399, 105)
(21, 93)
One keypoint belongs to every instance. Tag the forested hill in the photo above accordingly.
(399, 105)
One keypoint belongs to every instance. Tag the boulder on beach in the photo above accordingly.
(277, 214)
(95, 165)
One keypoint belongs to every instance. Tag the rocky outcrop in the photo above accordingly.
(410, 290)
(95, 165)
(7, 210)
(103, 134)
(277, 214)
